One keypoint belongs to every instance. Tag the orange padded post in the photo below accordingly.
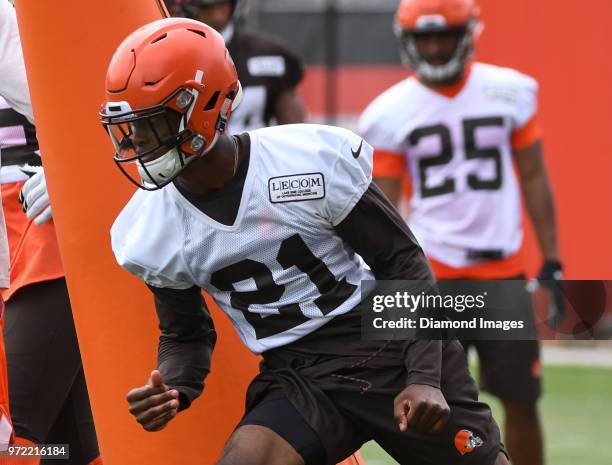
(67, 48)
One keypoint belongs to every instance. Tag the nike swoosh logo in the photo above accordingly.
(358, 152)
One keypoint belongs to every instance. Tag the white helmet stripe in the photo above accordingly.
(199, 76)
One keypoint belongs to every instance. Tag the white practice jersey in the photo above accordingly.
(280, 271)
(459, 154)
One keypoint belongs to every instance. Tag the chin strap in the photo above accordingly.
(232, 100)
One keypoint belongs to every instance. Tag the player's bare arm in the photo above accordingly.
(538, 197)
(391, 186)
(289, 108)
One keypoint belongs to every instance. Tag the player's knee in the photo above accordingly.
(238, 458)
(239, 455)
(256, 445)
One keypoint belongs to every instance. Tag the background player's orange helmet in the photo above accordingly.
(174, 80)
(415, 17)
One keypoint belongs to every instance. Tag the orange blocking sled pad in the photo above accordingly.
(67, 48)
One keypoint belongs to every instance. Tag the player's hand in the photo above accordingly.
(34, 196)
(153, 404)
(421, 407)
(549, 277)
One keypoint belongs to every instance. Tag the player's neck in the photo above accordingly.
(213, 171)
(452, 86)
(453, 81)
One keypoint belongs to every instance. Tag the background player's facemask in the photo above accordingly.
(153, 139)
(191, 9)
(452, 66)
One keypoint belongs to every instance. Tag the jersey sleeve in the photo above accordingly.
(374, 126)
(13, 82)
(388, 164)
(525, 90)
(294, 70)
(349, 177)
(271, 59)
(528, 134)
(526, 127)
(146, 245)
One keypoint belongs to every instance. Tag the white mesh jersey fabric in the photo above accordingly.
(463, 198)
(280, 272)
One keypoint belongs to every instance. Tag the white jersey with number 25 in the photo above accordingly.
(459, 154)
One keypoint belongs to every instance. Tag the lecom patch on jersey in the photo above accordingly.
(296, 188)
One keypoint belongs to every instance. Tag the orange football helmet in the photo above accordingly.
(171, 87)
(430, 16)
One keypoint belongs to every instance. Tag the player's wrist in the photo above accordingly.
(552, 269)
(423, 381)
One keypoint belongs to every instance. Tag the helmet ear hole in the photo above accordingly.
(213, 101)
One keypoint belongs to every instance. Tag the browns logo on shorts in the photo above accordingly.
(466, 441)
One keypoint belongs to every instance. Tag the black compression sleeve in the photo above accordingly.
(186, 342)
(376, 231)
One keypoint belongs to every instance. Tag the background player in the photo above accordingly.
(48, 394)
(268, 71)
(280, 262)
(457, 127)
(13, 87)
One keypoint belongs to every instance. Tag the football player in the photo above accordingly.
(48, 395)
(280, 242)
(457, 127)
(268, 71)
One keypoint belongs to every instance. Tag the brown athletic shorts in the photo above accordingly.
(348, 400)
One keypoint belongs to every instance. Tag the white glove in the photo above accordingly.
(34, 196)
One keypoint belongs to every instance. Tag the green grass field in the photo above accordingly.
(576, 410)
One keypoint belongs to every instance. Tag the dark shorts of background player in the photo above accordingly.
(346, 400)
(47, 391)
(510, 370)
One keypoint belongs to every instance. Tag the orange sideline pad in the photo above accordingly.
(67, 48)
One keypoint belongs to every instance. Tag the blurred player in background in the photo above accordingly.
(457, 127)
(269, 72)
(48, 394)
